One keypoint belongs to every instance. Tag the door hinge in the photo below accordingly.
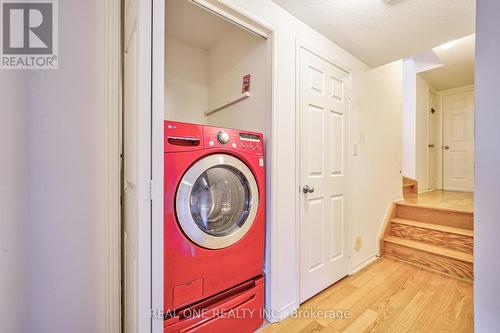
(158, 314)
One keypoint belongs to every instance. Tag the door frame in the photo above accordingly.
(157, 158)
(113, 98)
(440, 96)
(438, 137)
(348, 91)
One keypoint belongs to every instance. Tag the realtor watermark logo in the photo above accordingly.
(29, 34)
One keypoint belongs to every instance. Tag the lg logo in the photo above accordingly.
(29, 34)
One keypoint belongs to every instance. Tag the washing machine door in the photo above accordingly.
(216, 201)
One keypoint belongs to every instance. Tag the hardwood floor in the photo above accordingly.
(460, 201)
(387, 296)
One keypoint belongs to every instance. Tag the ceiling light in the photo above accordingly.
(448, 45)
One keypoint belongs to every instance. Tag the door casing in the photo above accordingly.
(433, 153)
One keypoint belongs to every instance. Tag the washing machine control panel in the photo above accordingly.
(247, 142)
(190, 137)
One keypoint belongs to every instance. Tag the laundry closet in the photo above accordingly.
(216, 113)
(216, 72)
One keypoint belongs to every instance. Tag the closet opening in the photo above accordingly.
(216, 71)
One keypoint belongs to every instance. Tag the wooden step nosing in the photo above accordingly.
(433, 249)
(436, 227)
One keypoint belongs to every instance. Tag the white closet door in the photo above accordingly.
(323, 113)
(458, 142)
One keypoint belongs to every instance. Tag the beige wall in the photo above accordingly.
(376, 127)
(197, 80)
(236, 54)
(14, 202)
(487, 191)
(53, 193)
(186, 82)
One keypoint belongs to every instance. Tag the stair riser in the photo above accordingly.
(445, 265)
(437, 216)
(433, 237)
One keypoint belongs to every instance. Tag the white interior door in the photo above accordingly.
(458, 141)
(136, 167)
(433, 142)
(323, 108)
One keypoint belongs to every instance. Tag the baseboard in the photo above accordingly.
(363, 264)
(274, 316)
(390, 213)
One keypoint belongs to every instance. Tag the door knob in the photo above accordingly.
(430, 145)
(446, 147)
(307, 189)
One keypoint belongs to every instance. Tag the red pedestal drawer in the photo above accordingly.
(240, 310)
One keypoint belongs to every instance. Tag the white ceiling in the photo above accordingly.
(192, 24)
(458, 66)
(381, 31)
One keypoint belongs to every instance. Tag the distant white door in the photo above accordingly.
(458, 141)
(136, 167)
(433, 142)
(323, 107)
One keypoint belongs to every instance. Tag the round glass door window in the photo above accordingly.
(217, 201)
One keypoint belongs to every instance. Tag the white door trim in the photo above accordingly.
(144, 145)
(157, 158)
(113, 96)
(437, 144)
(440, 96)
(298, 45)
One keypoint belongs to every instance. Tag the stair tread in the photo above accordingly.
(419, 205)
(466, 257)
(432, 226)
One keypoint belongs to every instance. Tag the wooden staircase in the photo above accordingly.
(436, 239)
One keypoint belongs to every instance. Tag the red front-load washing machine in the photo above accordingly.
(214, 229)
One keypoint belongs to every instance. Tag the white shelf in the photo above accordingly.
(232, 101)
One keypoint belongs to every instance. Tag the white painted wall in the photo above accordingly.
(236, 54)
(68, 192)
(186, 82)
(53, 155)
(421, 134)
(14, 202)
(487, 190)
(376, 171)
(409, 159)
